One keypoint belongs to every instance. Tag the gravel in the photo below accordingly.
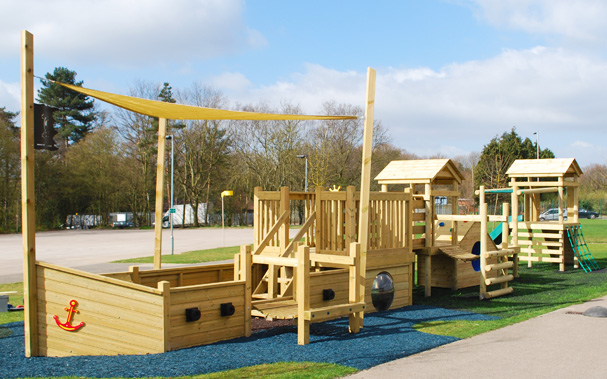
(386, 336)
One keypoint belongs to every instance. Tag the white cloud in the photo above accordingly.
(10, 96)
(128, 32)
(580, 20)
(233, 82)
(460, 107)
(311, 88)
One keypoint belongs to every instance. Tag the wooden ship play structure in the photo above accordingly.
(71, 312)
(355, 253)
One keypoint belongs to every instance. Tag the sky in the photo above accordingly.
(451, 74)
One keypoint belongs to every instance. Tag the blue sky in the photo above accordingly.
(451, 75)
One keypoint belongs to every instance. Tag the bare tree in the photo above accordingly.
(267, 150)
(336, 144)
(141, 135)
(205, 149)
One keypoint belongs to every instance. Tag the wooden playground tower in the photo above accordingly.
(453, 248)
(545, 241)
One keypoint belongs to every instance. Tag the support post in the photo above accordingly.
(365, 179)
(506, 212)
(257, 218)
(165, 287)
(483, 257)
(246, 262)
(356, 319)
(350, 215)
(561, 185)
(320, 237)
(303, 294)
(28, 215)
(162, 123)
(455, 211)
(135, 278)
(428, 240)
(514, 211)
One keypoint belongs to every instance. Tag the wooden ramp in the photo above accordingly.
(275, 309)
(456, 252)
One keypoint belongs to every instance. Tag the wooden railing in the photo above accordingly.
(332, 220)
(330, 228)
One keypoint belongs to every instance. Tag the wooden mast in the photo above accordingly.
(365, 184)
(28, 215)
(162, 126)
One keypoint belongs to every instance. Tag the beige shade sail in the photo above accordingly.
(173, 111)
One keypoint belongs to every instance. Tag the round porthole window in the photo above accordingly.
(382, 291)
(476, 250)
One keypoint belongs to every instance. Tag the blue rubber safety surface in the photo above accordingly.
(386, 336)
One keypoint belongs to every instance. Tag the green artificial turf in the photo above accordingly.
(538, 290)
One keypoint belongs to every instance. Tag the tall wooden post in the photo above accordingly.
(350, 215)
(28, 215)
(302, 293)
(162, 126)
(428, 239)
(365, 183)
(245, 267)
(482, 207)
(455, 211)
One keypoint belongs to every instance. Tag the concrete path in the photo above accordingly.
(91, 250)
(560, 344)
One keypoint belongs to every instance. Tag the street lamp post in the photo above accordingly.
(304, 156)
(223, 231)
(172, 190)
(537, 143)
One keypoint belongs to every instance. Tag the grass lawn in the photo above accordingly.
(538, 290)
(196, 256)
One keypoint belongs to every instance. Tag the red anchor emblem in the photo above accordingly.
(68, 324)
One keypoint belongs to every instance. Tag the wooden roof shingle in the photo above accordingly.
(415, 171)
(544, 167)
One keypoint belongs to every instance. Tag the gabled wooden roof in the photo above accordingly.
(544, 167)
(419, 171)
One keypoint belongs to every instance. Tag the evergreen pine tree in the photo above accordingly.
(75, 115)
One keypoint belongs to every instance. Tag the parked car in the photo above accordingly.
(552, 214)
(583, 213)
(122, 224)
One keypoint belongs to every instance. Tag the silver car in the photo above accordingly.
(552, 214)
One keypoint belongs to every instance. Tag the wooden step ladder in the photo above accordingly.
(507, 260)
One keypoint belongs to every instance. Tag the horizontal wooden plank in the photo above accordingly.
(267, 195)
(554, 234)
(93, 340)
(92, 334)
(98, 278)
(83, 290)
(209, 308)
(328, 259)
(526, 258)
(206, 294)
(137, 323)
(55, 304)
(540, 250)
(180, 342)
(207, 324)
(326, 313)
(279, 261)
